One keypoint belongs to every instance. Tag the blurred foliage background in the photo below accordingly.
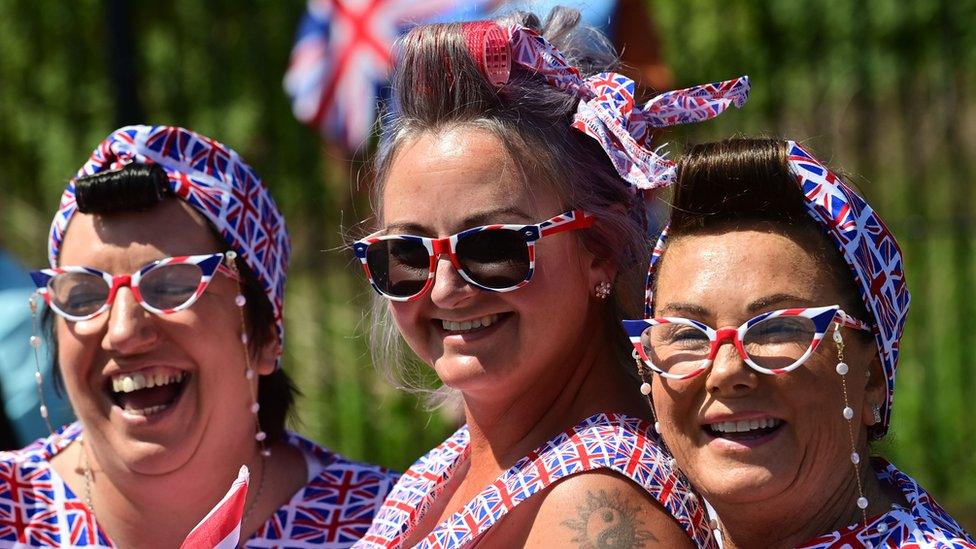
(878, 88)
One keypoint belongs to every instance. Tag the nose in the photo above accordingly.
(131, 329)
(729, 374)
(450, 290)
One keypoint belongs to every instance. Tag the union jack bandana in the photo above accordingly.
(866, 244)
(608, 113)
(923, 524)
(213, 179)
(616, 442)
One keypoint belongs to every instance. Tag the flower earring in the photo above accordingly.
(603, 289)
(260, 436)
(848, 413)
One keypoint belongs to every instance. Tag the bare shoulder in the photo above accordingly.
(602, 509)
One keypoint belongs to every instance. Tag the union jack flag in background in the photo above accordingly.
(342, 58)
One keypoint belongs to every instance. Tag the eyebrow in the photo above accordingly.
(765, 302)
(686, 308)
(488, 217)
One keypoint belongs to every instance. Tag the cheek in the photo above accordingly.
(560, 288)
(77, 347)
(409, 323)
(676, 406)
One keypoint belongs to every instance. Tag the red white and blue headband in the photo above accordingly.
(607, 111)
(215, 181)
(870, 250)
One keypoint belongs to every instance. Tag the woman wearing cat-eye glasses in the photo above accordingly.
(776, 303)
(165, 292)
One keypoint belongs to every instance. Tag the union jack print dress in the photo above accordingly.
(333, 510)
(625, 445)
(923, 524)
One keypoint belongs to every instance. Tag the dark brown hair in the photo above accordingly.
(139, 187)
(747, 182)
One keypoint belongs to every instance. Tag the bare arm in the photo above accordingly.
(594, 510)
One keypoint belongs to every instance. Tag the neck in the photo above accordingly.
(782, 523)
(506, 426)
(141, 510)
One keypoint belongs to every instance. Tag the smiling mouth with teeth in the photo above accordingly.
(145, 394)
(468, 326)
(743, 430)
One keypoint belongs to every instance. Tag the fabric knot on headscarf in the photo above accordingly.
(215, 181)
(625, 130)
(608, 113)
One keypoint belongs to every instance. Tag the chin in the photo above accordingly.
(464, 373)
(157, 448)
(738, 482)
(150, 458)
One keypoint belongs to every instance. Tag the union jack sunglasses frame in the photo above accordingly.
(567, 221)
(822, 317)
(209, 264)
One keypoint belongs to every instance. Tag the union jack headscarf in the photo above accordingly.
(867, 246)
(213, 179)
(607, 110)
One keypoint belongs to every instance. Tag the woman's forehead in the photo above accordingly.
(446, 177)
(741, 266)
(132, 238)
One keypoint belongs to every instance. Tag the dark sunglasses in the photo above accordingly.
(497, 258)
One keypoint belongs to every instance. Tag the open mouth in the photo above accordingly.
(745, 430)
(146, 393)
(470, 326)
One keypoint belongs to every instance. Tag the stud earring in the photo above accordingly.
(877, 413)
(843, 369)
(603, 289)
(259, 436)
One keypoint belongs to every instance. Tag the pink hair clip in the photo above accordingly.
(489, 46)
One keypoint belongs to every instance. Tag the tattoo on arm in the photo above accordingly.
(605, 521)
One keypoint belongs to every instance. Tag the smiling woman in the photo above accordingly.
(509, 227)
(168, 259)
(771, 253)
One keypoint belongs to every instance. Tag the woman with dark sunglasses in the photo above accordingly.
(165, 298)
(509, 227)
(776, 303)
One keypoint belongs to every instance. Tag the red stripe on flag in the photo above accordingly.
(222, 525)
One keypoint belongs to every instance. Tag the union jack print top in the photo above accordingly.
(333, 510)
(623, 444)
(924, 523)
